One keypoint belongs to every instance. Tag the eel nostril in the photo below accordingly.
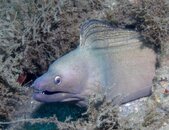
(32, 86)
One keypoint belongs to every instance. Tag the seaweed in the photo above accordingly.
(11, 100)
(34, 33)
(149, 17)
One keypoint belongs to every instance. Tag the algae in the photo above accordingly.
(34, 33)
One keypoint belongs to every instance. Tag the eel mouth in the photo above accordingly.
(46, 92)
(56, 96)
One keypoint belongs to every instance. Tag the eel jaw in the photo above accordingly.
(56, 96)
(46, 92)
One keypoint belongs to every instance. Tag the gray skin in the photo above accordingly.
(109, 60)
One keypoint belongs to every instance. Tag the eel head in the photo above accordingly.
(63, 82)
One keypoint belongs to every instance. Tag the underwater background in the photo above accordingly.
(34, 33)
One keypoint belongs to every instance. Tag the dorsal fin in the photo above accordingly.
(101, 34)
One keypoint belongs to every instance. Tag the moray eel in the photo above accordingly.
(109, 60)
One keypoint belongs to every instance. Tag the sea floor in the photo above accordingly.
(35, 33)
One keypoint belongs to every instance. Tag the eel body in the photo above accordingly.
(109, 60)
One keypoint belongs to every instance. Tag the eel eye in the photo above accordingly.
(57, 80)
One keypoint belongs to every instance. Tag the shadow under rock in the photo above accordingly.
(61, 110)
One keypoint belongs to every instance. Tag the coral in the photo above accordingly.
(100, 115)
(11, 100)
(35, 33)
(149, 17)
(54, 32)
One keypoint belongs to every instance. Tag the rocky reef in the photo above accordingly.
(34, 33)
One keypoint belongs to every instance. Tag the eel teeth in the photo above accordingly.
(38, 91)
